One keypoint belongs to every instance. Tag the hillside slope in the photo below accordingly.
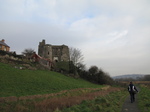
(16, 82)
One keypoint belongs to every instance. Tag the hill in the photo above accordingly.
(17, 82)
(129, 76)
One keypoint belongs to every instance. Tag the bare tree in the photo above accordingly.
(28, 52)
(76, 56)
(81, 66)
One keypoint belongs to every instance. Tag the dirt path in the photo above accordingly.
(130, 107)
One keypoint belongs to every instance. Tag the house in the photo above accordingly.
(4, 46)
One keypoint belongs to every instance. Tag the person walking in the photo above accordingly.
(132, 90)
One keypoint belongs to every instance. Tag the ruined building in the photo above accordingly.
(53, 52)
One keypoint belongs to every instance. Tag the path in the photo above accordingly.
(130, 107)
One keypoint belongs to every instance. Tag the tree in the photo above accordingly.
(99, 76)
(93, 70)
(147, 77)
(28, 52)
(76, 56)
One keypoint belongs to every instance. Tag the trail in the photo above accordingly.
(130, 107)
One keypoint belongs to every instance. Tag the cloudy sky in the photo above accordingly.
(114, 35)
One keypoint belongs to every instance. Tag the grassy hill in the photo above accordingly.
(16, 82)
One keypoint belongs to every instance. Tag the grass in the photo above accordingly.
(39, 90)
(78, 99)
(109, 103)
(144, 99)
(16, 82)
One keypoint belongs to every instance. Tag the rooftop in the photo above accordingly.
(2, 42)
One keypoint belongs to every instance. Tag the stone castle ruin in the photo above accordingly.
(53, 52)
(52, 57)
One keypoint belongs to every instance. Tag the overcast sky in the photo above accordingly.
(114, 35)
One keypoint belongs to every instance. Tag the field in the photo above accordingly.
(46, 91)
(144, 98)
(76, 100)
(16, 82)
(111, 102)
(136, 82)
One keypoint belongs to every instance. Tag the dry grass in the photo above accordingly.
(69, 92)
(136, 82)
(51, 102)
(62, 102)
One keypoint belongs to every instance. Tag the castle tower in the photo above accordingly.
(54, 53)
(65, 53)
(45, 50)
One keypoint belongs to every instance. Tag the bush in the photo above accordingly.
(62, 66)
(97, 76)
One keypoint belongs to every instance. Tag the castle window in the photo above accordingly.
(48, 53)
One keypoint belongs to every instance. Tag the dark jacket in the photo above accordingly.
(132, 88)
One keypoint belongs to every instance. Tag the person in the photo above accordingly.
(132, 89)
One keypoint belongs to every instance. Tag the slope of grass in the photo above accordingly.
(109, 103)
(16, 82)
(144, 99)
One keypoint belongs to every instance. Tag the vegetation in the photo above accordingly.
(4, 53)
(24, 90)
(62, 66)
(28, 52)
(76, 56)
(109, 103)
(96, 75)
(18, 82)
(146, 78)
(65, 99)
(144, 98)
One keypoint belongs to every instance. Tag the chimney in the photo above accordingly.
(3, 40)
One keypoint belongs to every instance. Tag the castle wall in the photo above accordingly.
(65, 53)
(54, 53)
(47, 52)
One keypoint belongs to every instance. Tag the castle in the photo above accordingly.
(53, 52)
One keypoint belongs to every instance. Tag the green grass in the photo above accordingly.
(16, 82)
(144, 99)
(109, 103)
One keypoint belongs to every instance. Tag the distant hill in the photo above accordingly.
(127, 76)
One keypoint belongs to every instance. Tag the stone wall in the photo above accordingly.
(54, 53)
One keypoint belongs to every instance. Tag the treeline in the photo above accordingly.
(146, 78)
(95, 75)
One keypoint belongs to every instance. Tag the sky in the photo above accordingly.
(113, 35)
